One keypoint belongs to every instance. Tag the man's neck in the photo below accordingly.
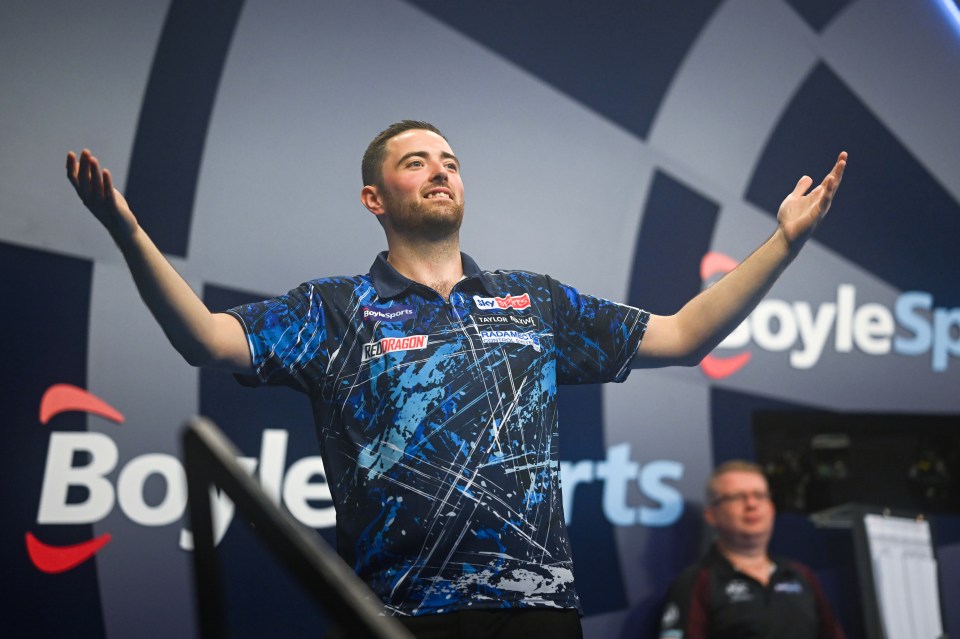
(434, 264)
(751, 559)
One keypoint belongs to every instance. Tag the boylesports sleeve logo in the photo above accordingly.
(396, 313)
(392, 345)
(517, 302)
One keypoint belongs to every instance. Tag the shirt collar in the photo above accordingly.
(715, 557)
(389, 282)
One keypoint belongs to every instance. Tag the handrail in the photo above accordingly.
(210, 459)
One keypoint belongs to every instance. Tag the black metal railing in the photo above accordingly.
(211, 460)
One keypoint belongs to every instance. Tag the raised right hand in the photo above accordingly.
(95, 188)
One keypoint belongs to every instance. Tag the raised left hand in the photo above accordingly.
(800, 212)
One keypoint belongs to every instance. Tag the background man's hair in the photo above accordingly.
(733, 465)
(371, 168)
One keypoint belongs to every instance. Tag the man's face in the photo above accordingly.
(741, 510)
(422, 193)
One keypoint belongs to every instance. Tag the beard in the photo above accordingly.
(425, 219)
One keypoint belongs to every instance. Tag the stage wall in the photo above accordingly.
(613, 145)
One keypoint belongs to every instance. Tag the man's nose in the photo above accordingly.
(440, 173)
(752, 500)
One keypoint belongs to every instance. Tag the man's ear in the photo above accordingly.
(372, 199)
(709, 516)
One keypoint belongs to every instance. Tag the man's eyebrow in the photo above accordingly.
(423, 154)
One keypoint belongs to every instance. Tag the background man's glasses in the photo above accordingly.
(756, 495)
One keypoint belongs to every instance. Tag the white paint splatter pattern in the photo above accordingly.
(442, 461)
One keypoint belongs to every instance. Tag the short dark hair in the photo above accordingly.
(371, 168)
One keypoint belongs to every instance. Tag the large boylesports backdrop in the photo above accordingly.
(613, 145)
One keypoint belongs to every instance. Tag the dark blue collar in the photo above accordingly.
(389, 282)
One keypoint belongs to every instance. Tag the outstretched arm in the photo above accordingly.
(697, 328)
(202, 337)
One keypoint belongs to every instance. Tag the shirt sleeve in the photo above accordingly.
(685, 610)
(596, 339)
(287, 338)
(827, 627)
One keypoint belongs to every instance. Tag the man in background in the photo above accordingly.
(738, 590)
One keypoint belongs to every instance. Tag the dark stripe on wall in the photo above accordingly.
(891, 216)
(616, 58)
(596, 560)
(283, 609)
(44, 326)
(675, 233)
(177, 105)
(731, 422)
(818, 13)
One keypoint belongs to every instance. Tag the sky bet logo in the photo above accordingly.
(518, 302)
(776, 325)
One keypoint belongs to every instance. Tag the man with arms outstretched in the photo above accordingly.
(433, 384)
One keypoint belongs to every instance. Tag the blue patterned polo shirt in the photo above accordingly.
(437, 423)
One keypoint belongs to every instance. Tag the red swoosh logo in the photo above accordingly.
(61, 398)
(720, 367)
(54, 559)
(714, 263)
(714, 367)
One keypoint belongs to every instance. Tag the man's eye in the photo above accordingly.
(453, 167)
(415, 163)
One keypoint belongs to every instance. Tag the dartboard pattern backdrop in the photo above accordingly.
(612, 145)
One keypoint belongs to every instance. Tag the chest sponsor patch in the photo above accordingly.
(393, 345)
(671, 615)
(396, 313)
(738, 590)
(789, 587)
(500, 321)
(517, 302)
(513, 337)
